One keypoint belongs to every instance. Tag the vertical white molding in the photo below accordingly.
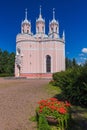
(51, 63)
(42, 58)
(56, 59)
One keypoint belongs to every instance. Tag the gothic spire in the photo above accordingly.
(53, 13)
(63, 36)
(26, 14)
(40, 12)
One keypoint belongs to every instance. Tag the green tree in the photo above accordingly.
(70, 63)
(5, 57)
(74, 62)
(0, 61)
(7, 61)
(11, 63)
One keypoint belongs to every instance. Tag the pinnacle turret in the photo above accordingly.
(25, 20)
(54, 20)
(26, 25)
(54, 27)
(40, 24)
(40, 17)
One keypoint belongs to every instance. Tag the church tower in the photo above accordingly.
(26, 25)
(54, 27)
(40, 24)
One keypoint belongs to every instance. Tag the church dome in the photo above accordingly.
(54, 21)
(40, 19)
(25, 21)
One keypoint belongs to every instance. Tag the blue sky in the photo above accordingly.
(71, 14)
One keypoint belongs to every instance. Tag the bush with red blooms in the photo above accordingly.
(54, 108)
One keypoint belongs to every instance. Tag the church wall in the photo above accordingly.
(34, 56)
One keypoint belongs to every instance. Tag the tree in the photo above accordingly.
(70, 63)
(7, 61)
(74, 62)
(5, 57)
(11, 63)
(0, 60)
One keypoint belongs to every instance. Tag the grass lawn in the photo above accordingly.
(79, 114)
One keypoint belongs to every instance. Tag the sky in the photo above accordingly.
(71, 15)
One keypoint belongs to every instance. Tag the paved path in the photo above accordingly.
(18, 101)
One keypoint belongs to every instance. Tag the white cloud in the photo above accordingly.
(79, 63)
(81, 54)
(84, 50)
(85, 58)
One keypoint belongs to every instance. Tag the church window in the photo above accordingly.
(48, 64)
(23, 30)
(38, 29)
(27, 31)
(52, 29)
(18, 51)
(19, 69)
(56, 29)
(43, 29)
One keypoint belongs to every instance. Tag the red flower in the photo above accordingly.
(67, 104)
(53, 99)
(62, 110)
(40, 110)
(41, 107)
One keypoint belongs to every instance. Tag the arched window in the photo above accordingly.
(18, 51)
(19, 69)
(43, 29)
(37, 29)
(48, 64)
(23, 30)
(52, 29)
(56, 29)
(27, 31)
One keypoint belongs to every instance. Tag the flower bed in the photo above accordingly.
(55, 111)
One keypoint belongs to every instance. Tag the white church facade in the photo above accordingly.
(39, 55)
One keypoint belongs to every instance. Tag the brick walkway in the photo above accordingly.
(18, 101)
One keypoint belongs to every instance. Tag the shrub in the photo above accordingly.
(6, 75)
(43, 124)
(73, 83)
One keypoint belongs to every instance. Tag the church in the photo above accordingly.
(39, 55)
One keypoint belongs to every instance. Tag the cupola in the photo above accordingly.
(54, 27)
(40, 24)
(26, 25)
